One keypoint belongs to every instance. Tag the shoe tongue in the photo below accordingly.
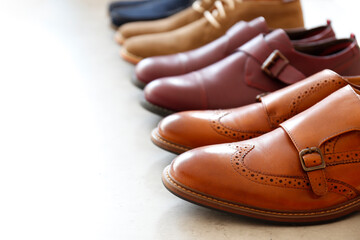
(278, 39)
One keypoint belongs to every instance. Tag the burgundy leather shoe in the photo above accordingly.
(152, 68)
(264, 64)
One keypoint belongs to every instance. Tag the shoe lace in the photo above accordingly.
(219, 11)
(197, 5)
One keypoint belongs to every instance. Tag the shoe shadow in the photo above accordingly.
(189, 221)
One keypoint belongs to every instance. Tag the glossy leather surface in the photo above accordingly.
(152, 68)
(186, 130)
(150, 10)
(264, 177)
(237, 79)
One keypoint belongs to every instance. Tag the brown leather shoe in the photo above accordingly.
(175, 21)
(152, 68)
(278, 13)
(307, 170)
(264, 64)
(187, 130)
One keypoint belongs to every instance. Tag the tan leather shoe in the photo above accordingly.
(307, 170)
(278, 13)
(175, 21)
(186, 130)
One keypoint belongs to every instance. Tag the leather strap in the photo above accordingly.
(289, 101)
(273, 62)
(311, 128)
(313, 163)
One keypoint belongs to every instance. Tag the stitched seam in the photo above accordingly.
(291, 137)
(349, 158)
(170, 143)
(315, 90)
(342, 162)
(344, 184)
(324, 179)
(257, 210)
(328, 147)
(349, 129)
(335, 142)
(268, 115)
(265, 173)
(338, 133)
(235, 129)
(215, 123)
(293, 109)
(356, 151)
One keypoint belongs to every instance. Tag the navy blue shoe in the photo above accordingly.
(120, 4)
(150, 10)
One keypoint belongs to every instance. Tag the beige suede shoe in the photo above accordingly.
(175, 21)
(224, 14)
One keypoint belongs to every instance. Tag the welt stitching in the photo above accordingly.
(172, 144)
(257, 210)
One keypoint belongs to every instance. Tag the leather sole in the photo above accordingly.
(119, 38)
(137, 82)
(167, 145)
(198, 198)
(155, 109)
(130, 57)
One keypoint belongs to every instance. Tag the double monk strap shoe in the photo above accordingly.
(306, 170)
